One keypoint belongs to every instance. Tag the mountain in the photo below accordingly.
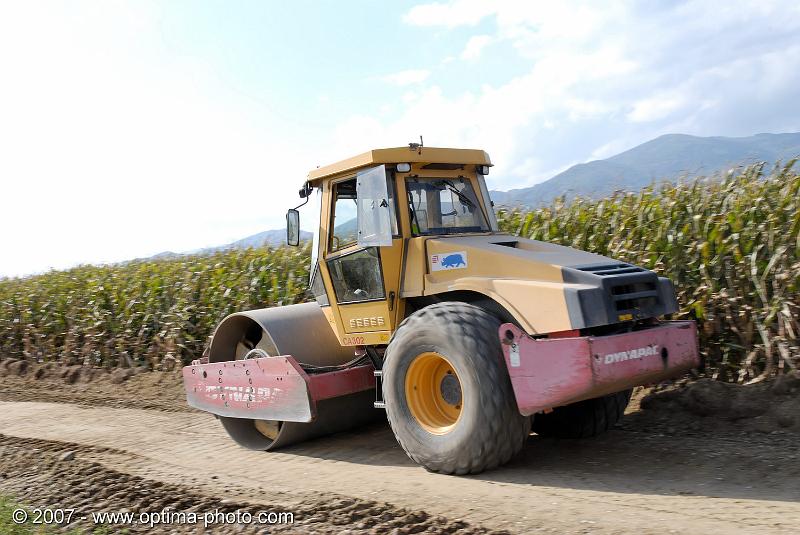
(268, 238)
(668, 157)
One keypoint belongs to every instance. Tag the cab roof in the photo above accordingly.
(423, 155)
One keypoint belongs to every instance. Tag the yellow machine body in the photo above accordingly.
(533, 282)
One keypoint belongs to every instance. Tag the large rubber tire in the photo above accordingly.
(583, 419)
(489, 430)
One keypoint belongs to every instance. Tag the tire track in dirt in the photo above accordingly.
(99, 387)
(637, 481)
(57, 474)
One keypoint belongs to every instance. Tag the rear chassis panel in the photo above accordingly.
(551, 372)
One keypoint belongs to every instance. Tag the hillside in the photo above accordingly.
(668, 157)
(268, 238)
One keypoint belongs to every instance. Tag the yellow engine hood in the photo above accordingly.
(545, 287)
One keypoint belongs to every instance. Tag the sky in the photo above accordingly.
(132, 128)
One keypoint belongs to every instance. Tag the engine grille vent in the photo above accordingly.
(610, 292)
(636, 289)
(612, 269)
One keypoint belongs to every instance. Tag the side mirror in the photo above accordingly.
(293, 227)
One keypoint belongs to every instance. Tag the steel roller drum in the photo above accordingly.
(303, 332)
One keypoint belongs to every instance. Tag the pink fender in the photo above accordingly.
(268, 388)
(550, 372)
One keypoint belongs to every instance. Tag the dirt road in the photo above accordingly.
(644, 477)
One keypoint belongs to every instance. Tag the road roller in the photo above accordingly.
(466, 339)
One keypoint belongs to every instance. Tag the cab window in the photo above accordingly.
(357, 276)
(317, 288)
(344, 221)
(444, 206)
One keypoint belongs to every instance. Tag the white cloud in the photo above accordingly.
(475, 46)
(602, 78)
(450, 14)
(409, 77)
(491, 117)
(655, 107)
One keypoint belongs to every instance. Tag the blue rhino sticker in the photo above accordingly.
(447, 261)
(453, 260)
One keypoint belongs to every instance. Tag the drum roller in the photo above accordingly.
(304, 332)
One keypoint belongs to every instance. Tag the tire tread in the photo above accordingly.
(583, 419)
(469, 330)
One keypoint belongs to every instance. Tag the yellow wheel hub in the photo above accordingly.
(268, 428)
(433, 393)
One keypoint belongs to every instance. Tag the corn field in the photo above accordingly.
(731, 245)
(144, 312)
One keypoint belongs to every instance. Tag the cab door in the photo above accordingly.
(362, 256)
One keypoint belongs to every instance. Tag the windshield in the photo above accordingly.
(444, 206)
